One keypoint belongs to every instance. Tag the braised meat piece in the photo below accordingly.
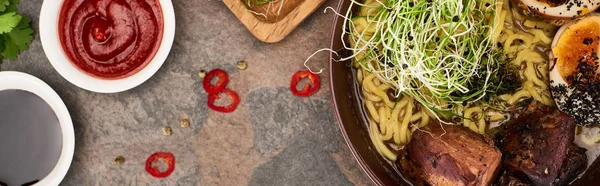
(452, 155)
(538, 147)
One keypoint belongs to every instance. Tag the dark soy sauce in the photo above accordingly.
(30, 137)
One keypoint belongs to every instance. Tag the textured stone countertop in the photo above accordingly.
(273, 138)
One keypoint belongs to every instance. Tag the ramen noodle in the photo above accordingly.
(394, 117)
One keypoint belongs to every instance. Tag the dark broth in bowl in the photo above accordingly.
(30, 138)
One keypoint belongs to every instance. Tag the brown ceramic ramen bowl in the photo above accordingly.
(353, 123)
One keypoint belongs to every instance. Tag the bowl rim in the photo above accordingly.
(11, 80)
(55, 54)
(332, 59)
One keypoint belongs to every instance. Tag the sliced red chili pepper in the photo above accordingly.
(235, 100)
(308, 88)
(219, 85)
(153, 170)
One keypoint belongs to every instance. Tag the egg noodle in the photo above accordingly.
(394, 117)
(521, 47)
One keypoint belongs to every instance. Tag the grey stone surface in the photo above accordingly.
(272, 138)
(301, 163)
(280, 118)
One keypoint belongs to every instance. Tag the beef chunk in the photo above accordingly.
(452, 155)
(538, 147)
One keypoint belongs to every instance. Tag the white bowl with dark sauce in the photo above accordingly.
(36, 132)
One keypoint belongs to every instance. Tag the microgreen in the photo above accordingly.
(434, 51)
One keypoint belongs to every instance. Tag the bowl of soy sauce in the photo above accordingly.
(36, 132)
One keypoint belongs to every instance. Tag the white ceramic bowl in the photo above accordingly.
(52, 47)
(26, 82)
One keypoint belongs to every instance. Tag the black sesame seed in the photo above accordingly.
(410, 38)
(455, 19)
(404, 66)
(487, 4)
(386, 61)
(411, 4)
(499, 45)
(464, 103)
(588, 41)
(583, 85)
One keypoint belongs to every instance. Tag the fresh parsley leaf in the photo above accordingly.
(21, 35)
(11, 50)
(15, 31)
(10, 8)
(2, 44)
(3, 5)
(8, 21)
(18, 40)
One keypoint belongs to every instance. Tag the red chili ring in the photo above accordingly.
(229, 108)
(308, 89)
(220, 85)
(153, 170)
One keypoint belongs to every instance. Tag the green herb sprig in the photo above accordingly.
(15, 30)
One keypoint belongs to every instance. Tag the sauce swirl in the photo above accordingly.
(110, 39)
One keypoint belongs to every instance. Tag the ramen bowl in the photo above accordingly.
(352, 119)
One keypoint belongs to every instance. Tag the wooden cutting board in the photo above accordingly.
(271, 22)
